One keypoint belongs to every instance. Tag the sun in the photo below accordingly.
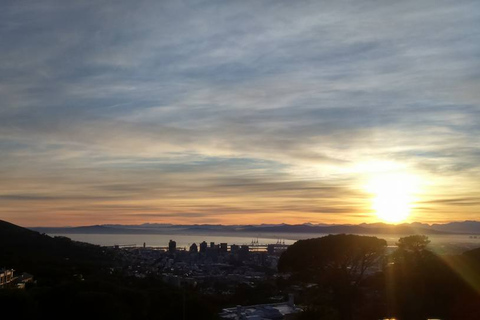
(392, 196)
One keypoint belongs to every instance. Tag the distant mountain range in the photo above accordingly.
(463, 227)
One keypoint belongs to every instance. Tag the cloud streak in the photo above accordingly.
(217, 110)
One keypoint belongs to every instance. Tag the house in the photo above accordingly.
(273, 311)
(6, 276)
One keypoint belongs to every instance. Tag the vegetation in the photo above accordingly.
(337, 263)
(75, 281)
(420, 284)
(413, 283)
(347, 255)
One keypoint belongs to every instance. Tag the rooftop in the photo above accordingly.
(260, 311)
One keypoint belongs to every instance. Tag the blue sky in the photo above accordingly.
(236, 111)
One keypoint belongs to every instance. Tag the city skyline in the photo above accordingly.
(239, 112)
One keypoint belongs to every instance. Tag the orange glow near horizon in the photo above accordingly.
(368, 192)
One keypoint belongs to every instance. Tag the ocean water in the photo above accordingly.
(161, 240)
(439, 243)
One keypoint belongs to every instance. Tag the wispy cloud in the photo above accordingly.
(219, 110)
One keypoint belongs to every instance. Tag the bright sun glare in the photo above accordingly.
(393, 196)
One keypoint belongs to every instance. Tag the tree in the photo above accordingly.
(415, 243)
(412, 251)
(418, 283)
(337, 262)
(350, 254)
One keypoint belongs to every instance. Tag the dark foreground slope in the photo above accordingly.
(81, 281)
(49, 259)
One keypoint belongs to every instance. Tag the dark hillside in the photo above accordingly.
(473, 255)
(75, 280)
(48, 257)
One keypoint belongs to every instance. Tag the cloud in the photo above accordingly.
(212, 99)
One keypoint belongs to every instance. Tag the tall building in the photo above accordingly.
(203, 247)
(193, 248)
(172, 246)
(223, 247)
(271, 249)
(234, 248)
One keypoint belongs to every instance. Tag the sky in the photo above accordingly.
(238, 112)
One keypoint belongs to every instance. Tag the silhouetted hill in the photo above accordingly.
(135, 229)
(355, 229)
(75, 280)
(14, 238)
(46, 256)
(465, 227)
(473, 254)
(97, 229)
(459, 227)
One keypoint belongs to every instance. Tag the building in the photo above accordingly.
(245, 248)
(23, 280)
(172, 246)
(203, 247)
(273, 311)
(223, 247)
(193, 248)
(6, 276)
(276, 249)
(234, 248)
(7, 279)
(271, 249)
